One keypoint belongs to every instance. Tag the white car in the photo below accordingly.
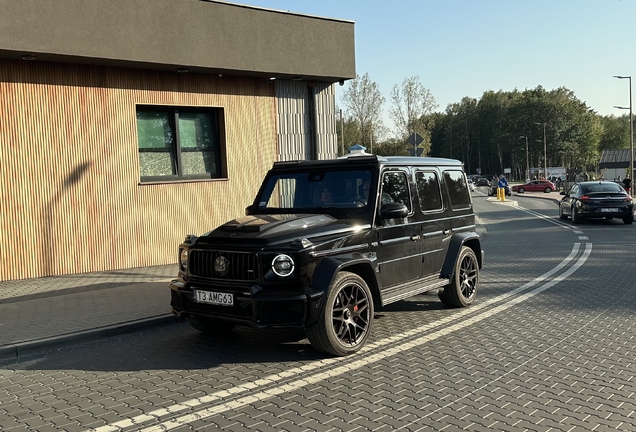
(471, 185)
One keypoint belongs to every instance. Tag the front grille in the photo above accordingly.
(240, 265)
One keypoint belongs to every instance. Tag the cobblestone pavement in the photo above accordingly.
(36, 313)
(549, 345)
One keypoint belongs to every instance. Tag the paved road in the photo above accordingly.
(549, 345)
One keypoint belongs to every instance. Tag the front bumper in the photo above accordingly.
(257, 308)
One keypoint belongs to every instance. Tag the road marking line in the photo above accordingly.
(271, 379)
(348, 367)
(547, 218)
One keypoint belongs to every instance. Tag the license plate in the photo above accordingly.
(215, 298)
(609, 210)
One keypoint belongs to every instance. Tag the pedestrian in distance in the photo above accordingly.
(501, 187)
(627, 183)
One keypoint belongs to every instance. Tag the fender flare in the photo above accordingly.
(458, 240)
(323, 277)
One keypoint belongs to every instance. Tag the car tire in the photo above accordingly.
(462, 289)
(210, 325)
(521, 190)
(628, 220)
(345, 322)
(561, 215)
(576, 219)
(548, 190)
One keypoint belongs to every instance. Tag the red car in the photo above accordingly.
(535, 186)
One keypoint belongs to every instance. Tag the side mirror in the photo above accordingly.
(563, 193)
(249, 209)
(393, 211)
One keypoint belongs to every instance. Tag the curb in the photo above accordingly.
(17, 350)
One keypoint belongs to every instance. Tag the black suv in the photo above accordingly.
(327, 243)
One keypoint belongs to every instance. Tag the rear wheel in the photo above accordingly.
(210, 325)
(462, 290)
(576, 219)
(345, 323)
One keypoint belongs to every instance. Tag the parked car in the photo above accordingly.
(535, 186)
(471, 185)
(327, 243)
(482, 181)
(597, 199)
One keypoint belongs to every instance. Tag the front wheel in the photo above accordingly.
(628, 220)
(561, 214)
(548, 190)
(521, 190)
(462, 290)
(345, 322)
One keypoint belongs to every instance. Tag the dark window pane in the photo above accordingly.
(156, 144)
(199, 149)
(395, 188)
(154, 130)
(457, 189)
(428, 190)
(179, 143)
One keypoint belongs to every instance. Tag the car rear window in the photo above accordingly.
(601, 188)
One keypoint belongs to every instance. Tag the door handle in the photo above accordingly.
(415, 237)
(446, 232)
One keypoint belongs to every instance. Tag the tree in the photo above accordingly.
(412, 106)
(363, 102)
(392, 147)
(615, 133)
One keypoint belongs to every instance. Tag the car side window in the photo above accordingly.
(395, 188)
(457, 189)
(428, 191)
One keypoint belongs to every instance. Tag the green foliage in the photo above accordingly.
(615, 132)
(392, 147)
(411, 110)
(363, 102)
(489, 132)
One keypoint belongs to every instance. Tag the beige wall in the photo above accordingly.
(70, 196)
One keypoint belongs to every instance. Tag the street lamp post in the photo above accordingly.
(527, 159)
(545, 153)
(631, 132)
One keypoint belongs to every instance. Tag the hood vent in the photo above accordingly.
(241, 228)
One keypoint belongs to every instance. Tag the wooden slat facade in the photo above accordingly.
(70, 192)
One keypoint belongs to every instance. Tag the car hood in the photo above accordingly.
(279, 228)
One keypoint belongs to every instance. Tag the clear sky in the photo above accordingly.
(465, 47)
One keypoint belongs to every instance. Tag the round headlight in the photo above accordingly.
(183, 258)
(283, 265)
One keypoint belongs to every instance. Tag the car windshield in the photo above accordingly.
(316, 190)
